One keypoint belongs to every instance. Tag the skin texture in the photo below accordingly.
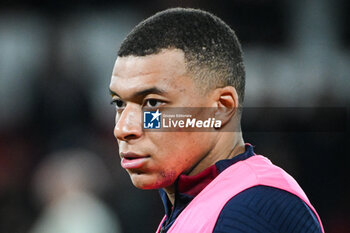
(169, 154)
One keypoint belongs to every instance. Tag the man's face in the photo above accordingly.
(155, 159)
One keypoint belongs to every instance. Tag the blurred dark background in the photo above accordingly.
(56, 143)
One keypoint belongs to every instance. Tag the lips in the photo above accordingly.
(132, 160)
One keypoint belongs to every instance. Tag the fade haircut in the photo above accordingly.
(213, 54)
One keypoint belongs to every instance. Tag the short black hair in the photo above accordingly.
(213, 54)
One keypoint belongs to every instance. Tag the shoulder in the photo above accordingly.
(266, 209)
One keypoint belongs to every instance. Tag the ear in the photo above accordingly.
(226, 102)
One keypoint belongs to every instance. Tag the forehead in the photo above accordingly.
(162, 69)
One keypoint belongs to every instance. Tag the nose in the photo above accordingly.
(128, 124)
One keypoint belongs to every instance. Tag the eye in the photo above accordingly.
(119, 104)
(153, 103)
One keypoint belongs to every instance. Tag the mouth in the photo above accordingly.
(132, 160)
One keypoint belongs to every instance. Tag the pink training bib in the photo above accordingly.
(201, 214)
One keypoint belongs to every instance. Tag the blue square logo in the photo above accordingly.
(151, 120)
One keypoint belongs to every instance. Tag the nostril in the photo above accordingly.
(130, 137)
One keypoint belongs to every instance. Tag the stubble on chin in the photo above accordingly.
(163, 179)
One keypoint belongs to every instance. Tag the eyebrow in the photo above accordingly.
(152, 90)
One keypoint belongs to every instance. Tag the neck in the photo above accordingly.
(229, 145)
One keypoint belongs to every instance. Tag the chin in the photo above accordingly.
(146, 181)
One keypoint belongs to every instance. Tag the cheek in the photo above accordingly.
(181, 150)
(177, 140)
